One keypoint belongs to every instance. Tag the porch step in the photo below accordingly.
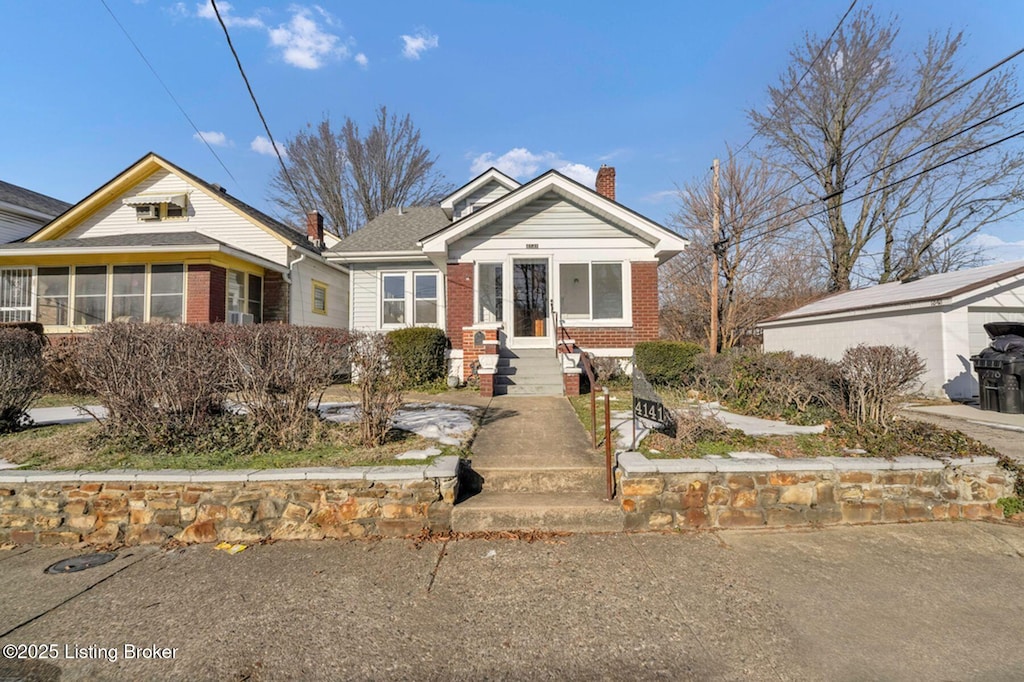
(534, 371)
(533, 480)
(553, 512)
(528, 389)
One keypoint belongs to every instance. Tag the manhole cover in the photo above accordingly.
(80, 563)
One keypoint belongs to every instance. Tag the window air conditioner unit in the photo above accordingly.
(240, 318)
(147, 212)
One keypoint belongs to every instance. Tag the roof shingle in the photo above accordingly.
(26, 198)
(394, 231)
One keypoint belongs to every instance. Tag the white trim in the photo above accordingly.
(374, 256)
(491, 174)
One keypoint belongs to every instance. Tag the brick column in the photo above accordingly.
(471, 350)
(207, 294)
(276, 298)
(486, 384)
(645, 300)
(460, 301)
(571, 383)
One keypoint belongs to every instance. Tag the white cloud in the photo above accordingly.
(212, 137)
(303, 43)
(261, 145)
(522, 164)
(362, 60)
(663, 195)
(416, 45)
(998, 249)
(205, 11)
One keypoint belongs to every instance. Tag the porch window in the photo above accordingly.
(52, 288)
(90, 294)
(393, 299)
(425, 294)
(255, 298)
(591, 291)
(128, 303)
(245, 298)
(489, 292)
(167, 293)
(15, 294)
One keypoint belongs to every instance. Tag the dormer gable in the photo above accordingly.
(482, 190)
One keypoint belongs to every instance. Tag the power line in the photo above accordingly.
(891, 128)
(167, 89)
(797, 84)
(868, 193)
(252, 95)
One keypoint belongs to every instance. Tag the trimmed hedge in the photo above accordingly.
(666, 362)
(34, 327)
(419, 351)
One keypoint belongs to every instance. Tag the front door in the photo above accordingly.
(531, 313)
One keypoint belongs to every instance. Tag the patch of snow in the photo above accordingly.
(420, 454)
(447, 424)
(742, 454)
(4, 464)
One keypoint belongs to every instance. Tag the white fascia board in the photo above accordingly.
(934, 305)
(665, 243)
(375, 256)
(990, 289)
(448, 203)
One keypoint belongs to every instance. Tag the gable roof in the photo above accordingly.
(20, 197)
(393, 231)
(145, 167)
(666, 243)
(932, 288)
(492, 174)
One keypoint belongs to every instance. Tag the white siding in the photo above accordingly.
(486, 194)
(978, 317)
(301, 303)
(550, 224)
(921, 330)
(205, 215)
(365, 286)
(14, 226)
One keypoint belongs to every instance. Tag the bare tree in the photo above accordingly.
(353, 178)
(763, 271)
(861, 122)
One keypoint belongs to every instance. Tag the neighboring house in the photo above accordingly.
(942, 317)
(157, 243)
(23, 211)
(505, 268)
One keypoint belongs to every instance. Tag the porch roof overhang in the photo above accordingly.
(666, 243)
(99, 251)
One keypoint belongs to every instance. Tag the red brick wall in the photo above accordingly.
(645, 315)
(460, 300)
(207, 294)
(275, 297)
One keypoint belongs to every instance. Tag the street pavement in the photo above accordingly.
(897, 602)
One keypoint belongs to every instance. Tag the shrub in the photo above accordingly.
(693, 426)
(163, 385)
(874, 378)
(1010, 505)
(277, 370)
(420, 352)
(63, 371)
(380, 379)
(22, 376)
(666, 362)
(34, 327)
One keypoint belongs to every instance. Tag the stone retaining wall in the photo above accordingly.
(701, 493)
(112, 508)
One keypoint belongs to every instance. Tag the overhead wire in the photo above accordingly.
(170, 94)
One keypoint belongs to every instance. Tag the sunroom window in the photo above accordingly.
(90, 294)
(128, 303)
(52, 288)
(15, 294)
(167, 293)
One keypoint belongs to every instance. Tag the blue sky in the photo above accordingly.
(655, 89)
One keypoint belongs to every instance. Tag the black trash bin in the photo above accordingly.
(1000, 368)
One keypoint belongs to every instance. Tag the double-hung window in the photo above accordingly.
(592, 291)
(425, 293)
(393, 299)
(409, 298)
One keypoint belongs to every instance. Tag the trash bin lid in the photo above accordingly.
(994, 329)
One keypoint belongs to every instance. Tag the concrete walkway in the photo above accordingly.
(1004, 432)
(541, 431)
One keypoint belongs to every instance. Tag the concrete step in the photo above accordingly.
(530, 371)
(534, 480)
(522, 390)
(552, 379)
(527, 353)
(553, 512)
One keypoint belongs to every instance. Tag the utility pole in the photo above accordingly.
(715, 230)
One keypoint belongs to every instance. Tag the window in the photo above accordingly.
(167, 293)
(393, 299)
(591, 291)
(245, 297)
(174, 211)
(52, 287)
(128, 303)
(90, 294)
(489, 294)
(255, 298)
(425, 298)
(15, 294)
(319, 298)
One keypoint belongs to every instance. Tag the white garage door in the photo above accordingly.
(977, 318)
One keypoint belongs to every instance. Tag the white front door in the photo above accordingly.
(530, 293)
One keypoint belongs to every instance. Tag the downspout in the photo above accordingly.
(287, 276)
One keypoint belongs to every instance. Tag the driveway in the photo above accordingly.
(1004, 432)
(903, 602)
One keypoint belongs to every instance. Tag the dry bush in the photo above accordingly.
(22, 376)
(277, 370)
(693, 426)
(380, 386)
(163, 384)
(875, 377)
(63, 370)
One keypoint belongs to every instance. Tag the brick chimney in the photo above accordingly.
(605, 184)
(315, 228)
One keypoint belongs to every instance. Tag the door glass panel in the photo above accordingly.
(530, 297)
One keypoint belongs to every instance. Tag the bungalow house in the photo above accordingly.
(157, 243)
(515, 274)
(941, 316)
(23, 211)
